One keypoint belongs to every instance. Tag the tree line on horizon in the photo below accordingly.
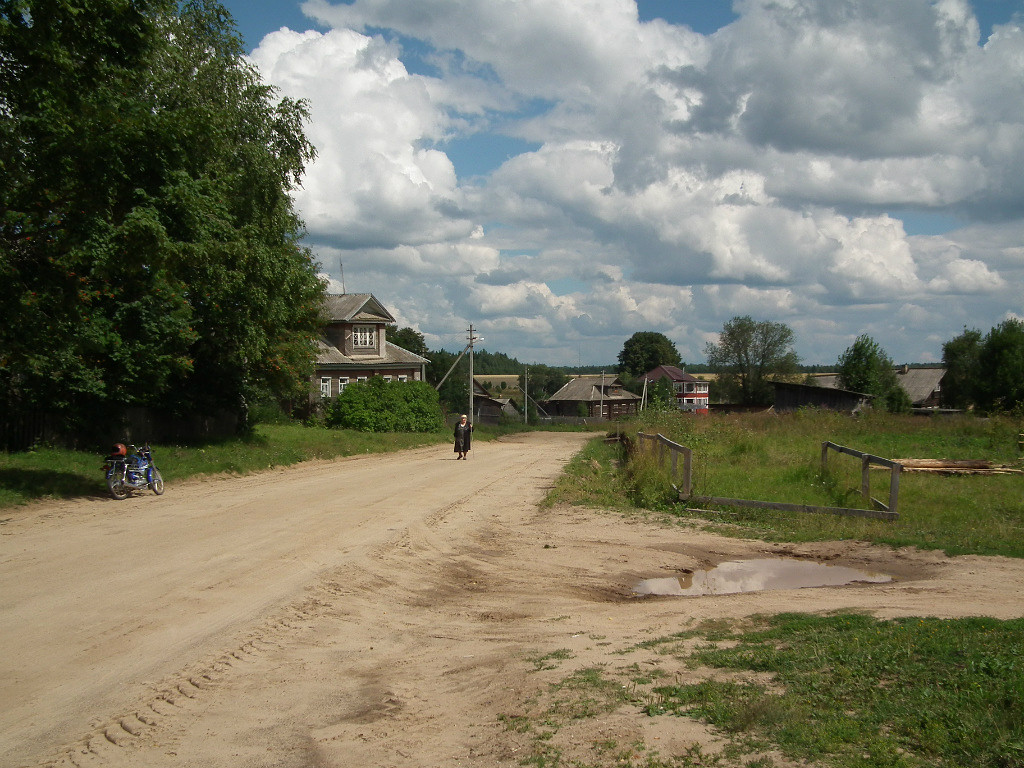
(983, 371)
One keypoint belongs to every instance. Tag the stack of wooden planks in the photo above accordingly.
(957, 467)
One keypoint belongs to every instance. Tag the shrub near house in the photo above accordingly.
(383, 406)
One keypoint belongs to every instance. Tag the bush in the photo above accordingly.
(384, 406)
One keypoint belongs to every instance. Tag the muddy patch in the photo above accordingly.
(757, 575)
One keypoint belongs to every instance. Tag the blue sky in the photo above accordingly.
(256, 18)
(563, 174)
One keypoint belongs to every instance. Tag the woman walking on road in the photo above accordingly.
(463, 437)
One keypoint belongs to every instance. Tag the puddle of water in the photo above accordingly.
(757, 575)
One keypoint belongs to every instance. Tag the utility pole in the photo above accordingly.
(472, 339)
(526, 395)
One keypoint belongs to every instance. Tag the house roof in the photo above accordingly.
(918, 383)
(360, 308)
(356, 308)
(587, 388)
(328, 354)
(669, 372)
(800, 387)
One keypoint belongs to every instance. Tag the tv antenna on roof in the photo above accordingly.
(341, 265)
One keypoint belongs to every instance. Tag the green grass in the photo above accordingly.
(592, 478)
(59, 473)
(771, 457)
(850, 690)
(839, 691)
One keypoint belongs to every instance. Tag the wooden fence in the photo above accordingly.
(866, 461)
(881, 511)
(665, 446)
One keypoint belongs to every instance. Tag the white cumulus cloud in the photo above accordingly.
(661, 179)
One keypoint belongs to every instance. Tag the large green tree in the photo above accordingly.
(646, 350)
(865, 367)
(1000, 372)
(408, 339)
(748, 355)
(960, 358)
(150, 250)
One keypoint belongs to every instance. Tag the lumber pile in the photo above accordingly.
(957, 467)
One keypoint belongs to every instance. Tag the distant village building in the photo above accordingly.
(791, 396)
(691, 393)
(489, 409)
(354, 346)
(923, 384)
(593, 396)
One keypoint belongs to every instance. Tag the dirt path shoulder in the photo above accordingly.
(377, 611)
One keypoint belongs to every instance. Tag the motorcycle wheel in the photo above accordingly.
(157, 483)
(117, 489)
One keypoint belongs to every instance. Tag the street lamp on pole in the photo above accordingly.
(472, 339)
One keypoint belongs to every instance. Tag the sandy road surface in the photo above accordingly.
(375, 611)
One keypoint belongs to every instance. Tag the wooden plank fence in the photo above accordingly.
(881, 511)
(663, 446)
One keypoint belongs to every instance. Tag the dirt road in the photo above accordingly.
(371, 611)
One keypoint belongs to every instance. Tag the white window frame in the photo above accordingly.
(403, 378)
(325, 386)
(364, 336)
(342, 383)
(360, 379)
(387, 378)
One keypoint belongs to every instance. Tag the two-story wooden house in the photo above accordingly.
(691, 393)
(354, 346)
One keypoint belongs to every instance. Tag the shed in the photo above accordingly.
(790, 397)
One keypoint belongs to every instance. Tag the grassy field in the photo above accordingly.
(771, 457)
(833, 684)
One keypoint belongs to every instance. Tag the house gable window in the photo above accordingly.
(364, 336)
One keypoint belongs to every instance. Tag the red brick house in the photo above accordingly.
(691, 393)
(354, 346)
